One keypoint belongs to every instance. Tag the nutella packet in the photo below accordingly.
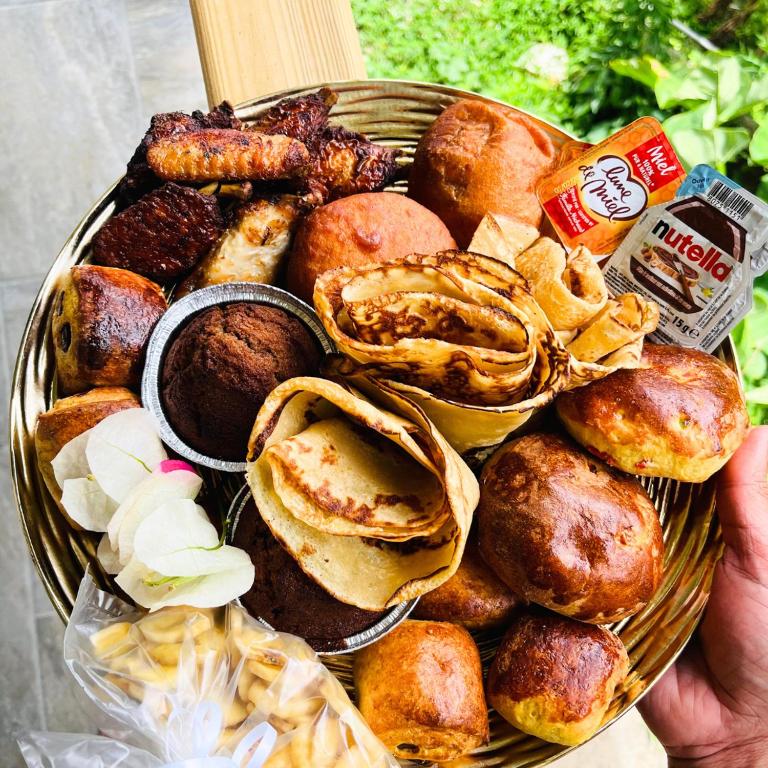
(595, 197)
(697, 257)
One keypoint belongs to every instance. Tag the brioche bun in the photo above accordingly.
(563, 530)
(370, 228)
(554, 677)
(681, 414)
(479, 158)
(420, 688)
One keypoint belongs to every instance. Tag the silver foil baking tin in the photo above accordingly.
(386, 624)
(179, 314)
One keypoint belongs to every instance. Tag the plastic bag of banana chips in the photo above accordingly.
(208, 687)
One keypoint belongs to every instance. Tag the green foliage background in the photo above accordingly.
(481, 45)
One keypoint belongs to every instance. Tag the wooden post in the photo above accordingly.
(249, 48)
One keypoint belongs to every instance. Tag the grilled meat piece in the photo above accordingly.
(162, 236)
(302, 118)
(346, 163)
(217, 154)
(101, 325)
(139, 177)
(252, 249)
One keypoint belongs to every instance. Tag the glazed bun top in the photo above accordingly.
(478, 157)
(555, 677)
(563, 530)
(369, 228)
(681, 414)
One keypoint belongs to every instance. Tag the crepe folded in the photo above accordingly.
(368, 498)
(458, 333)
(601, 333)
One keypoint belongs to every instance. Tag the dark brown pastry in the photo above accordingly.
(224, 154)
(554, 677)
(680, 414)
(420, 688)
(102, 320)
(286, 598)
(221, 367)
(479, 158)
(474, 596)
(139, 177)
(70, 417)
(562, 529)
(162, 236)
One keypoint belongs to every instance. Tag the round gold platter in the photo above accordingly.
(395, 113)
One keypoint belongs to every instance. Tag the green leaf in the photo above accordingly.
(733, 85)
(756, 366)
(758, 395)
(697, 145)
(758, 147)
(686, 88)
(645, 70)
(762, 188)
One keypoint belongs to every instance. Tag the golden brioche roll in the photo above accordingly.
(70, 417)
(420, 688)
(563, 530)
(370, 228)
(554, 677)
(474, 596)
(476, 158)
(680, 414)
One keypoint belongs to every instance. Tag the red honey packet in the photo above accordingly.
(595, 197)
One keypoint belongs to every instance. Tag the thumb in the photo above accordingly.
(742, 505)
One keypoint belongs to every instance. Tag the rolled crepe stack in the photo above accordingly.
(370, 500)
(601, 333)
(457, 333)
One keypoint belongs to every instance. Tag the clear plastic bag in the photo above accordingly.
(201, 688)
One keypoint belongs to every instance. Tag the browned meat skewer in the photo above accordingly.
(218, 154)
(139, 177)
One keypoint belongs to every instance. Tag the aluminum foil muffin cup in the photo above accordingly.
(178, 315)
(384, 625)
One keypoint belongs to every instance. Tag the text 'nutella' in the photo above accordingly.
(697, 257)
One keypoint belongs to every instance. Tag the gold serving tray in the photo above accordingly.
(395, 113)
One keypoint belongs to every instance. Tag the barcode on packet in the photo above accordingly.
(729, 199)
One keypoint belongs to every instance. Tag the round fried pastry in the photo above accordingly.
(476, 158)
(369, 228)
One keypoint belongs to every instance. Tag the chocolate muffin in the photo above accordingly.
(221, 367)
(286, 598)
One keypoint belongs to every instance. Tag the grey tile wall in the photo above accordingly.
(79, 80)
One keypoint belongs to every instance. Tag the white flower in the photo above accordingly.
(98, 469)
(178, 559)
(171, 480)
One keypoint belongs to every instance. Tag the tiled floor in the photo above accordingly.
(80, 79)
